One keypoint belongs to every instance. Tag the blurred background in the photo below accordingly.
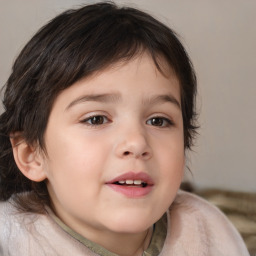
(220, 37)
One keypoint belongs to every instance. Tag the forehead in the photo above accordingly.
(140, 74)
(157, 62)
(142, 62)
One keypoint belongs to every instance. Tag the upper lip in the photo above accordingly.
(144, 177)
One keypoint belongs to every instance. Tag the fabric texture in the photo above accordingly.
(154, 248)
(240, 208)
(194, 228)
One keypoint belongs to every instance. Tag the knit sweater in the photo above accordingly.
(194, 228)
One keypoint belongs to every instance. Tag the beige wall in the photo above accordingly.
(221, 38)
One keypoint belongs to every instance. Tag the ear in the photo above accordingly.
(28, 158)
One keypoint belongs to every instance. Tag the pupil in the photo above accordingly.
(97, 120)
(157, 121)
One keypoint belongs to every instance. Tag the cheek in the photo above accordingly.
(74, 159)
(171, 158)
(172, 165)
(73, 148)
(71, 175)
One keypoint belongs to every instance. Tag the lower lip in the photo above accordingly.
(131, 192)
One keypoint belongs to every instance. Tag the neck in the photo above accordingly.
(122, 244)
(128, 244)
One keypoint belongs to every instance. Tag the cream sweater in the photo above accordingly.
(195, 228)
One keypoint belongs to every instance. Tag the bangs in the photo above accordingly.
(105, 39)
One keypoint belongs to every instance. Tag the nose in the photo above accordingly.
(133, 143)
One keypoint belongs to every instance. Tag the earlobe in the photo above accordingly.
(28, 159)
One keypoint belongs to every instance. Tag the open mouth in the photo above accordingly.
(132, 183)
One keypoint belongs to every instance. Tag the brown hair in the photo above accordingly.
(72, 46)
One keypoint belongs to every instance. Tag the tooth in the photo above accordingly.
(137, 182)
(129, 182)
(121, 181)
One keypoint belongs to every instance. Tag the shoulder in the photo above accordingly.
(16, 229)
(197, 226)
(29, 234)
(191, 203)
(8, 213)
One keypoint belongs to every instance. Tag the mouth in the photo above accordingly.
(132, 185)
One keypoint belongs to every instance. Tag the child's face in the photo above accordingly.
(124, 123)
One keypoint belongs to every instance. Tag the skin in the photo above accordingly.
(82, 157)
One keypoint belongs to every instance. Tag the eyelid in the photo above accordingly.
(84, 120)
(167, 119)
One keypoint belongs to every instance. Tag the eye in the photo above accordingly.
(160, 122)
(95, 120)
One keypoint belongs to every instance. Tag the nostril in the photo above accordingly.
(130, 153)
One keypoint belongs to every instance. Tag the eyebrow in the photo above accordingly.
(115, 97)
(162, 99)
(105, 98)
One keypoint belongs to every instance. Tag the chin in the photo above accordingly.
(131, 224)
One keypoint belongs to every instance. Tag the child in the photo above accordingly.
(99, 111)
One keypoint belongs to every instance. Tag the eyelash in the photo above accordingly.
(98, 120)
(89, 120)
(165, 122)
